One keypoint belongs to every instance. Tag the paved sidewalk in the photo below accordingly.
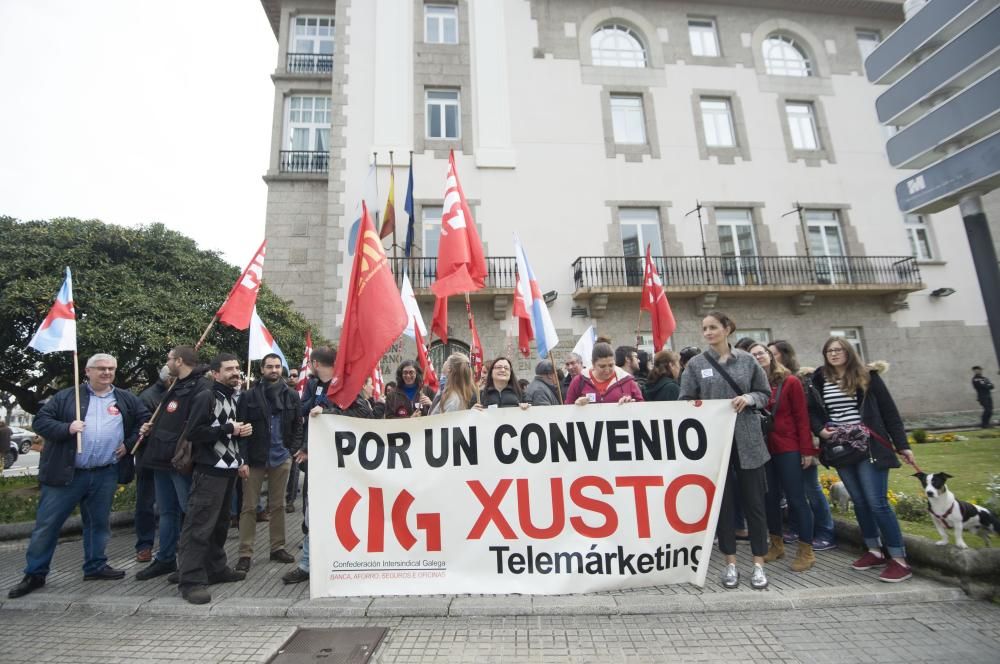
(830, 582)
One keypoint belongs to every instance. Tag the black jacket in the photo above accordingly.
(664, 389)
(397, 405)
(157, 451)
(56, 465)
(153, 395)
(310, 399)
(878, 413)
(204, 431)
(256, 406)
(506, 398)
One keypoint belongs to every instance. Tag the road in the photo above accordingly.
(26, 464)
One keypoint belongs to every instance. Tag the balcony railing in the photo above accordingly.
(752, 271)
(500, 271)
(304, 161)
(309, 63)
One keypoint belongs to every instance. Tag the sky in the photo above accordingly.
(135, 112)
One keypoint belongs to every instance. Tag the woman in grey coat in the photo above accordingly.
(703, 380)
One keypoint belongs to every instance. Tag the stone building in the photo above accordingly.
(736, 138)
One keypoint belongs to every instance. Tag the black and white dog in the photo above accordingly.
(949, 512)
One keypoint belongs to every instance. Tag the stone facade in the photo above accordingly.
(537, 156)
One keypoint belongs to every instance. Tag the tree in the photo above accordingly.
(138, 292)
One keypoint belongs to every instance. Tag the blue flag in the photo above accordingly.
(408, 206)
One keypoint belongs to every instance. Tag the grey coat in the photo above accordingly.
(540, 393)
(700, 380)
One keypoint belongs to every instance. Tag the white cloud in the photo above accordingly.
(136, 112)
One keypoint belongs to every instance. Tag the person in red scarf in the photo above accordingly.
(603, 382)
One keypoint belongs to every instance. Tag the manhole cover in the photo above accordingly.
(335, 645)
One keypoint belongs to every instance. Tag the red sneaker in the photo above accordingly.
(895, 572)
(868, 561)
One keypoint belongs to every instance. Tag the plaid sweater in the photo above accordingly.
(213, 446)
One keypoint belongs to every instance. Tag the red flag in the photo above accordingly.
(524, 333)
(305, 370)
(461, 266)
(439, 323)
(423, 359)
(373, 319)
(378, 385)
(654, 300)
(238, 307)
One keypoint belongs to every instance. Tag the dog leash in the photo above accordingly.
(874, 434)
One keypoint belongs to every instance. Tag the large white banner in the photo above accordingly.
(549, 500)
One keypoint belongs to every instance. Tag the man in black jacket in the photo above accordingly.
(316, 403)
(213, 430)
(271, 407)
(145, 486)
(983, 387)
(109, 426)
(156, 452)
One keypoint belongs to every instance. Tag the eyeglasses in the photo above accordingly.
(759, 355)
(103, 368)
(409, 372)
(835, 351)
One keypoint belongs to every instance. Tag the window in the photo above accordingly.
(738, 246)
(644, 341)
(760, 336)
(826, 244)
(867, 41)
(311, 44)
(917, 233)
(704, 41)
(627, 119)
(441, 24)
(802, 125)
(442, 114)
(431, 218)
(717, 117)
(307, 135)
(783, 57)
(639, 227)
(851, 335)
(617, 46)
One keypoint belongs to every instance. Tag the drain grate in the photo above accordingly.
(335, 645)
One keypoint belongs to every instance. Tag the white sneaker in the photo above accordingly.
(730, 577)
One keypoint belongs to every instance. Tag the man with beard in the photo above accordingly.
(213, 430)
(271, 407)
(162, 434)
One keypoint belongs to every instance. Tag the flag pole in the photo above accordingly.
(76, 393)
(468, 313)
(555, 372)
(204, 335)
(393, 184)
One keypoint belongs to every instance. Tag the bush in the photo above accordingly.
(920, 436)
(19, 499)
(910, 508)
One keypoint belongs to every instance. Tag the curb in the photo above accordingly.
(490, 606)
(976, 571)
(73, 526)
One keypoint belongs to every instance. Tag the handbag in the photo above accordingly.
(767, 416)
(846, 446)
(182, 461)
(763, 414)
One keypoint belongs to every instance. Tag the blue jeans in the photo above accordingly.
(869, 488)
(822, 517)
(304, 560)
(93, 491)
(145, 514)
(172, 491)
(784, 473)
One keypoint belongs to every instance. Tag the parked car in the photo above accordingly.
(23, 438)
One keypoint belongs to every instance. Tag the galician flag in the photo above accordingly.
(541, 323)
(261, 341)
(58, 331)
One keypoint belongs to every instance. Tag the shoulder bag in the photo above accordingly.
(766, 417)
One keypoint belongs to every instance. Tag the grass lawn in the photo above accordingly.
(19, 499)
(971, 463)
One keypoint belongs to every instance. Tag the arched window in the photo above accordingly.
(783, 57)
(614, 45)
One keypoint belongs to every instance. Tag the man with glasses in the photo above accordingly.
(108, 426)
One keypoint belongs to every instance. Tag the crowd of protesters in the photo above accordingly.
(204, 446)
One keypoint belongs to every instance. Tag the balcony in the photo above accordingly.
(598, 278)
(309, 63)
(304, 161)
(500, 275)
